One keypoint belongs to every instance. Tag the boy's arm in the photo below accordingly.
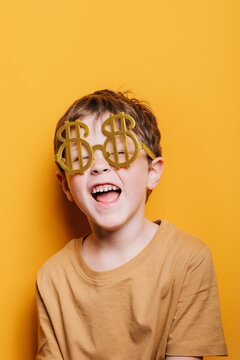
(183, 358)
(47, 343)
(196, 327)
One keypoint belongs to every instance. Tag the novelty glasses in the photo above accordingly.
(120, 148)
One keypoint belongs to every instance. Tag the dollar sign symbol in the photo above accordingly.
(112, 137)
(67, 146)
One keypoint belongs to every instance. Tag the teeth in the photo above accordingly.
(104, 188)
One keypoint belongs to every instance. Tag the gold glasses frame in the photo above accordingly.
(111, 136)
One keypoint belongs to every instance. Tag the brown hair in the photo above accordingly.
(110, 101)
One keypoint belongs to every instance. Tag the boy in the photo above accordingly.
(132, 288)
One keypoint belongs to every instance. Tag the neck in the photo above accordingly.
(132, 237)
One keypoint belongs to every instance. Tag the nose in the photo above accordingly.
(99, 165)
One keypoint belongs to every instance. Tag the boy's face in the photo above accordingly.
(107, 196)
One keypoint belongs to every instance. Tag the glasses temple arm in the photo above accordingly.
(148, 151)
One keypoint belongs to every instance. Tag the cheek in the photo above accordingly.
(76, 185)
(140, 167)
(137, 176)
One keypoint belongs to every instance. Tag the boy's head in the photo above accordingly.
(92, 110)
(107, 101)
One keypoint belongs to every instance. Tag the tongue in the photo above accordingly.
(107, 196)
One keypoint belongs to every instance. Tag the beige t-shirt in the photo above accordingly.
(164, 301)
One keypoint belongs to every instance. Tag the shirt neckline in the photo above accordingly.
(124, 268)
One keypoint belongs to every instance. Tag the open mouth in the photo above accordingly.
(106, 193)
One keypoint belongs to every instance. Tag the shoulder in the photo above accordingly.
(56, 264)
(190, 260)
(182, 244)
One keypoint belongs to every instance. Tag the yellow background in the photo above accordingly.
(181, 56)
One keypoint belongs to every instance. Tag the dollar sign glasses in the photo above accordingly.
(120, 148)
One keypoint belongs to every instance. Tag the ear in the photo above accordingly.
(63, 181)
(155, 172)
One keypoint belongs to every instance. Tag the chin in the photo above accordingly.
(110, 223)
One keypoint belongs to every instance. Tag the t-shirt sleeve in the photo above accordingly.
(196, 329)
(47, 343)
